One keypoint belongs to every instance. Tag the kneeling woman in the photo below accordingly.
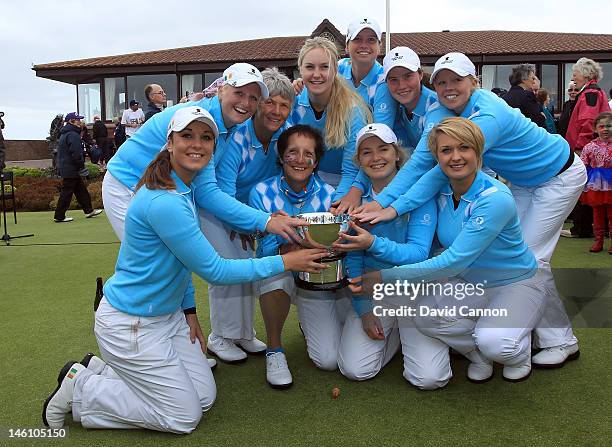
(297, 189)
(146, 326)
(371, 336)
(492, 271)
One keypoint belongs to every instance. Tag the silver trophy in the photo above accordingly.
(321, 233)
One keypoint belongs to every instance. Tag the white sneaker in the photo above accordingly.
(480, 369)
(93, 363)
(225, 349)
(254, 346)
(277, 370)
(65, 219)
(517, 373)
(567, 233)
(60, 401)
(212, 363)
(556, 356)
(94, 213)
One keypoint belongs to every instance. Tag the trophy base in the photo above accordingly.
(321, 287)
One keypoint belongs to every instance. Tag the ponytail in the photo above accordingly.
(157, 175)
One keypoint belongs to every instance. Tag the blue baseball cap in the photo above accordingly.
(73, 116)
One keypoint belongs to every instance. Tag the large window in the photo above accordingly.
(89, 101)
(191, 83)
(550, 81)
(567, 76)
(209, 78)
(114, 98)
(495, 76)
(137, 84)
(606, 82)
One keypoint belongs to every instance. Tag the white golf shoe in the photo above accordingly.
(225, 349)
(60, 401)
(277, 370)
(555, 356)
(517, 373)
(254, 346)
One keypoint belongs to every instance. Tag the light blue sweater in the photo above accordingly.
(163, 244)
(482, 238)
(133, 157)
(515, 148)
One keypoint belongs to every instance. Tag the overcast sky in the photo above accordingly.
(37, 32)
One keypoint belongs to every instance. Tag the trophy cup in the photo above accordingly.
(321, 233)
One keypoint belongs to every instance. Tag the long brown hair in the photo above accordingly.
(158, 173)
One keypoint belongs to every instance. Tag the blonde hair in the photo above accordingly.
(343, 98)
(400, 152)
(462, 130)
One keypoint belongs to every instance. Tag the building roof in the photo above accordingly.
(481, 46)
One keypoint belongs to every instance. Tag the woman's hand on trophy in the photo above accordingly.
(375, 217)
(372, 326)
(348, 203)
(361, 240)
(284, 225)
(288, 248)
(305, 260)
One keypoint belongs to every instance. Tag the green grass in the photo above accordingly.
(47, 318)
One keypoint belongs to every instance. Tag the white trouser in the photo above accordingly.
(360, 357)
(116, 198)
(322, 315)
(502, 339)
(426, 359)
(542, 211)
(162, 381)
(231, 307)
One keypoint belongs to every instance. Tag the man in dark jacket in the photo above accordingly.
(157, 99)
(520, 96)
(71, 165)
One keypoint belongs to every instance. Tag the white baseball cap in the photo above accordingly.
(379, 130)
(458, 63)
(356, 26)
(186, 115)
(241, 74)
(401, 57)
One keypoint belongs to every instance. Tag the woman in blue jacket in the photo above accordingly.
(546, 181)
(146, 325)
(370, 336)
(483, 294)
(296, 190)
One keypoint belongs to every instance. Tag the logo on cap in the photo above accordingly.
(365, 21)
(447, 60)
